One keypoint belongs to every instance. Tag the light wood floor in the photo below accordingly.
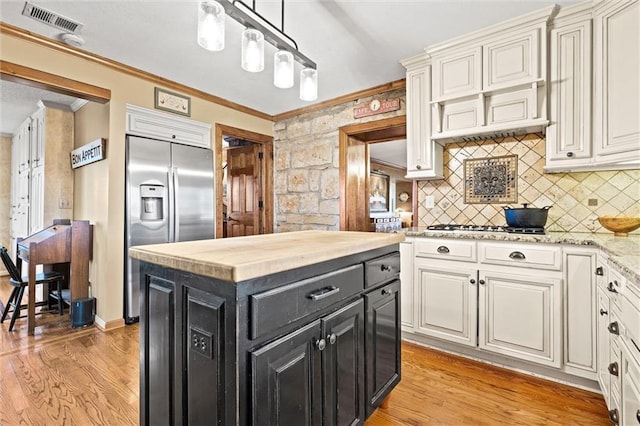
(88, 377)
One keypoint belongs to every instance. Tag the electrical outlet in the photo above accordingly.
(592, 202)
(429, 202)
(64, 203)
(202, 342)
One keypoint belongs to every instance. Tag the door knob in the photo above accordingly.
(332, 338)
(321, 344)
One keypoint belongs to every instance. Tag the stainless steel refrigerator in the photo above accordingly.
(169, 198)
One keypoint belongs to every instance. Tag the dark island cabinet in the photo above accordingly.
(314, 375)
(318, 345)
(382, 342)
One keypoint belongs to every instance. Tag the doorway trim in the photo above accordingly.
(354, 166)
(267, 173)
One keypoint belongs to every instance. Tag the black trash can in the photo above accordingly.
(83, 312)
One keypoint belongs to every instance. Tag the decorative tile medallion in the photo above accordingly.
(491, 180)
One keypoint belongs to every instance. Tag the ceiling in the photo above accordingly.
(356, 44)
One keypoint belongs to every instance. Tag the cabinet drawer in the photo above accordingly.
(520, 255)
(382, 269)
(446, 249)
(280, 306)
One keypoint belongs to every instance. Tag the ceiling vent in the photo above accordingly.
(51, 18)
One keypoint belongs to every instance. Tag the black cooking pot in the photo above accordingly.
(526, 217)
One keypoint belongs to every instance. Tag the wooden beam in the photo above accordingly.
(55, 83)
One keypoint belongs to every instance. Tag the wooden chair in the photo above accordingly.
(19, 283)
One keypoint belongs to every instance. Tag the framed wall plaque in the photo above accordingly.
(491, 180)
(172, 102)
(378, 192)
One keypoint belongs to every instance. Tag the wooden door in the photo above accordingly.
(356, 217)
(244, 189)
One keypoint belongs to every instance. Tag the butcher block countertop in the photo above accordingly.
(242, 258)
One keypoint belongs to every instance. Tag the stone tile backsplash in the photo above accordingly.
(616, 192)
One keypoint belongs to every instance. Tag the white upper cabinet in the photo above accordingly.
(617, 82)
(569, 131)
(491, 81)
(594, 88)
(424, 156)
(512, 60)
(457, 74)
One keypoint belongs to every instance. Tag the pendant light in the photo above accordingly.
(252, 50)
(283, 69)
(308, 84)
(211, 17)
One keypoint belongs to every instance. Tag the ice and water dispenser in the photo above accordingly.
(151, 202)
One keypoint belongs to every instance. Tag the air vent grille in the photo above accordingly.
(51, 18)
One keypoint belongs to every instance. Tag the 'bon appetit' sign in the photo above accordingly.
(89, 153)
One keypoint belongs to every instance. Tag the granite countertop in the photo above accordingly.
(624, 252)
(243, 258)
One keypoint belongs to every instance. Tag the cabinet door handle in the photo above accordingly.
(517, 255)
(603, 312)
(569, 154)
(332, 338)
(613, 328)
(611, 288)
(443, 249)
(613, 369)
(638, 415)
(418, 166)
(599, 271)
(321, 344)
(481, 282)
(386, 291)
(323, 293)
(614, 417)
(472, 281)
(385, 268)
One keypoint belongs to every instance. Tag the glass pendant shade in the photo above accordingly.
(252, 50)
(308, 84)
(211, 17)
(283, 69)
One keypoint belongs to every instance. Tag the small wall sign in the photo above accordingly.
(89, 153)
(172, 102)
(376, 107)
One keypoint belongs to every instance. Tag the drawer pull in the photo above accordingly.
(613, 369)
(613, 328)
(332, 338)
(600, 271)
(603, 312)
(443, 249)
(385, 268)
(611, 288)
(321, 344)
(517, 255)
(323, 293)
(472, 281)
(614, 417)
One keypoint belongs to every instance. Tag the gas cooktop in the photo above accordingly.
(483, 228)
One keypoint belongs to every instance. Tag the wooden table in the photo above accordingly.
(66, 247)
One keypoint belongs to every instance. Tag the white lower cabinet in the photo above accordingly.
(513, 310)
(406, 285)
(630, 386)
(447, 300)
(520, 316)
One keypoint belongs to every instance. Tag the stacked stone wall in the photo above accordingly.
(306, 163)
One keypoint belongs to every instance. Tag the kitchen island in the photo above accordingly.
(290, 328)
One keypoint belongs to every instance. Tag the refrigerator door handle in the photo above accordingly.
(176, 208)
(170, 205)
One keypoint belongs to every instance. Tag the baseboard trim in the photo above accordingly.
(109, 325)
